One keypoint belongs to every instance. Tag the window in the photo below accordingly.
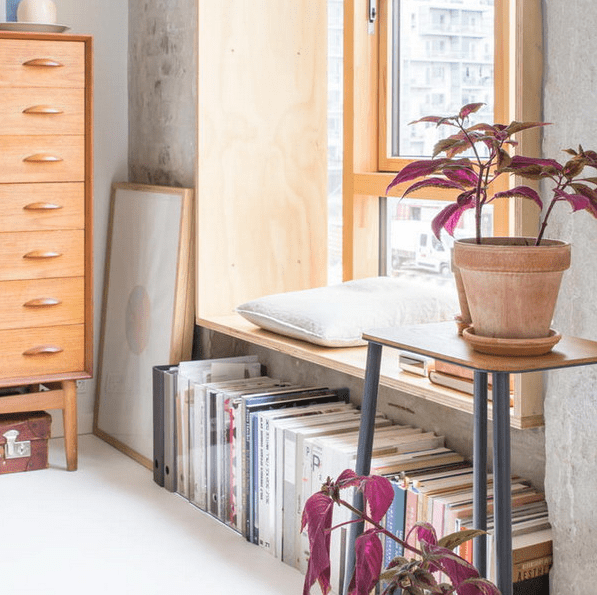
(390, 80)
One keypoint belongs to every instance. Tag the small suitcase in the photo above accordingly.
(24, 441)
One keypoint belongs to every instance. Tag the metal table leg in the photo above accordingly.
(363, 462)
(480, 470)
(502, 509)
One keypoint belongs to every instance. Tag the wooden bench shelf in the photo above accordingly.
(352, 360)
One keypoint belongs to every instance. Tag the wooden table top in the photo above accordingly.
(441, 341)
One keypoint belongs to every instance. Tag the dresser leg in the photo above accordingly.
(69, 416)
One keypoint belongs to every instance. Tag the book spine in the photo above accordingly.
(531, 569)
(227, 466)
(410, 517)
(291, 469)
(390, 525)
(170, 474)
(158, 424)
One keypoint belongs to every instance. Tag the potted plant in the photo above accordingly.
(508, 287)
(415, 576)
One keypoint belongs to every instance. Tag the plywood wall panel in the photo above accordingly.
(262, 142)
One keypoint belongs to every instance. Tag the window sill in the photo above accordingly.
(352, 361)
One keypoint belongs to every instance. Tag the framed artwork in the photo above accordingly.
(147, 315)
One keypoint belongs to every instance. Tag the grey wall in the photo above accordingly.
(107, 21)
(570, 411)
(162, 92)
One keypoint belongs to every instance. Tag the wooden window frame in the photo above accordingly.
(518, 60)
(518, 72)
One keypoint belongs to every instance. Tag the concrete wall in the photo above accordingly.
(163, 92)
(570, 412)
(107, 21)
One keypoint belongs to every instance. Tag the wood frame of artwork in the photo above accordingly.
(147, 313)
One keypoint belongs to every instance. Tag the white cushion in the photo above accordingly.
(336, 316)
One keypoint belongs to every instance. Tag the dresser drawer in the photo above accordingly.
(41, 254)
(41, 302)
(41, 351)
(42, 110)
(40, 63)
(32, 207)
(42, 159)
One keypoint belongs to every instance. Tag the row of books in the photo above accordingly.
(249, 450)
(443, 374)
(444, 498)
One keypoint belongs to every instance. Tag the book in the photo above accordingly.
(192, 374)
(414, 363)
(299, 416)
(158, 373)
(215, 482)
(170, 438)
(251, 403)
(532, 557)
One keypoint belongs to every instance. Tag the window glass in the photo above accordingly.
(442, 59)
(411, 248)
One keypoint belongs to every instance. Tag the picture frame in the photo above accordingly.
(148, 309)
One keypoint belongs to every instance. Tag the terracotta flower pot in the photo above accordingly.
(511, 286)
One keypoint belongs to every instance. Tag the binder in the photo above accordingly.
(170, 434)
(158, 423)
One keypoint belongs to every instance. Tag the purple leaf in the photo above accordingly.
(464, 176)
(378, 495)
(435, 119)
(434, 183)
(483, 586)
(368, 558)
(533, 168)
(348, 478)
(591, 195)
(577, 201)
(458, 569)
(317, 517)
(470, 108)
(486, 128)
(417, 169)
(449, 217)
(425, 533)
(515, 127)
(521, 192)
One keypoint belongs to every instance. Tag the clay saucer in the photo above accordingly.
(497, 346)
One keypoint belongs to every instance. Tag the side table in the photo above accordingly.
(441, 341)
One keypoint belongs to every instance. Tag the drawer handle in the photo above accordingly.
(43, 350)
(43, 62)
(41, 206)
(42, 109)
(41, 302)
(42, 158)
(42, 254)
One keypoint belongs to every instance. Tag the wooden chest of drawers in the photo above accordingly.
(46, 283)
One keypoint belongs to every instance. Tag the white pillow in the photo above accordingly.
(336, 316)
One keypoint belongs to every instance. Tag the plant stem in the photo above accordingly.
(479, 181)
(547, 214)
(381, 529)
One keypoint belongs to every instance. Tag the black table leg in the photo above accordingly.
(365, 446)
(480, 470)
(502, 494)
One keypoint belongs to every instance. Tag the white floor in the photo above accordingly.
(109, 529)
